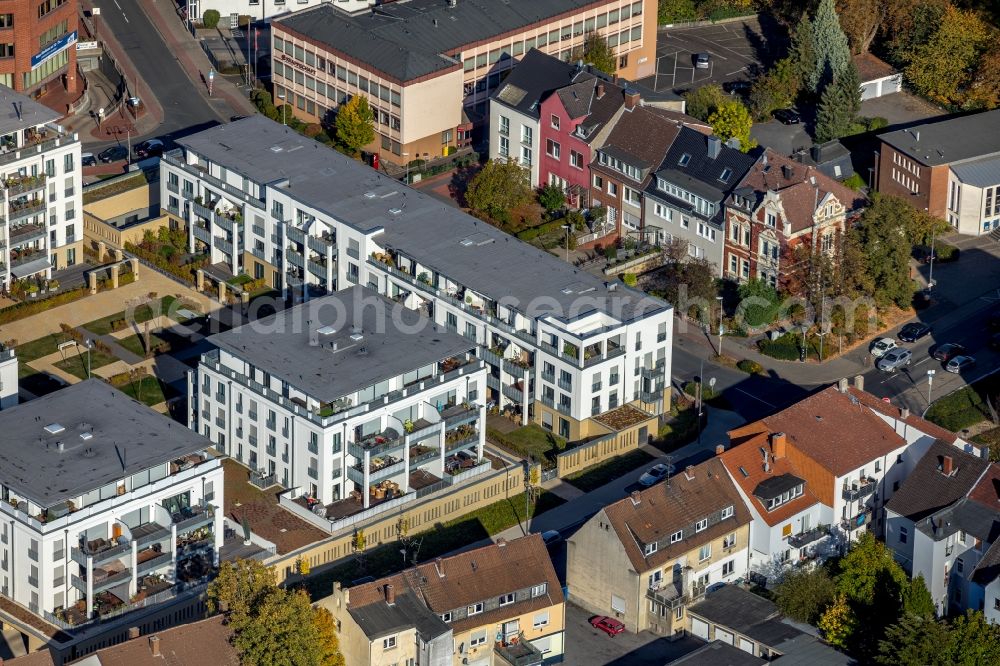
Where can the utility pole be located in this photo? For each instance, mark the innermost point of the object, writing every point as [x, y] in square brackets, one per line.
[721, 327]
[930, 276]
[930, 384]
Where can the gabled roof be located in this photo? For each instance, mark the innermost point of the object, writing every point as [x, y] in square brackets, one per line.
[871, 67]
[653, 514]
[988, 568]
[949, 140]
[457, 581]
[593, 101]
[891, 411]
[534, 77]
[927, 490]
[641, 138]
[964, 515]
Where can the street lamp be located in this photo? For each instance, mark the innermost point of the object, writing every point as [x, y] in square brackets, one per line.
[568, 228]
[721, 327]
[930, 276]
[89, 344]
[407, 155]
[802, 356]
[930, 383]
[281, 96]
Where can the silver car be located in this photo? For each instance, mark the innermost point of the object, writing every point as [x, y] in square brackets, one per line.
[894, 359]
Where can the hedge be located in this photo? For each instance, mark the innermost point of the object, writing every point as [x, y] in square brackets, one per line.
[945, 253]
[534, 232]
[750, 367]
[33, 307]
[785, 348]
[958, 410]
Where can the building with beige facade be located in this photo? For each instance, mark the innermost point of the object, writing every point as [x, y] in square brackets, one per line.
[496, 605]
[645, 558]
[428, 67]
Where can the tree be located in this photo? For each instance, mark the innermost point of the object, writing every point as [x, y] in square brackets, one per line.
[915, 641]
[941, 68]
[355, 124]
[630, 279]
[910, 24]
[732, 121]
[759, 302]
[839, 106]
[804, 595]
[498, 188]
[595, 50]
[801, 52]
[838, 623]
[984, 91]
[326, 635]
[917, 599]
[210, 19]
[860, 21]
[552, 198]
[239, 587]
[863, 565]
[281, 632]
[775, 90]
[974, 640]
[881, 236]
[830, 44]
[673, 11]
[702, 102]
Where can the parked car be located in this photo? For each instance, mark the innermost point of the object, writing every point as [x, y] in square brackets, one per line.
[551, 536]
[113, 154]
[787, 116]
[913, 331]
[608, 625]
[88, 159]
[881, 346]
[701, 60]
[960, 363]
[655, 474]
[894, 359]
[948, 351]
[151, 148]
[740, 87]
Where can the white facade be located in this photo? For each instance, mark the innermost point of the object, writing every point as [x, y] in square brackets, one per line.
[8, 378]
[514, 135]
[974, 207]
[112, 537]
[42, 201]
[264, 9]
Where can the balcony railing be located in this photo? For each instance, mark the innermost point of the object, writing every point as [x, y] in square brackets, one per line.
[667, 594]
[198, 516]
[858, 491]
[855, 522]
[154, 563]
[321, 244]
[295, 258]
[317, 268]
[519, 652]
[25, 233]
[813, 535]
[79, 555]
[24, 184]
[175, 158]
[101, 582]
[295, 234]
[21, 210]
[202, 234]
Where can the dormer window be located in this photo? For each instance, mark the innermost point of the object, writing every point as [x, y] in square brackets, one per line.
[649, 549]
[506, 599]
[475, 609]
[446, 617]
[727, 512]
[676, 536]
[701, 525]
[726, 174]
[683, 161]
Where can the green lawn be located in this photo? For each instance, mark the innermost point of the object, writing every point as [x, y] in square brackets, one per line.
[150, 391]
[438, 540]
[141, 314]
[75, 362]
[36, 349]
[595, 476]
[135, 343]
[239, 280]
[965, 407]
[530, 441]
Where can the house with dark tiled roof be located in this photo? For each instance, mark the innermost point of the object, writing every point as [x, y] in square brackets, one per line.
[780, 207]
[685, 199]
[944, 524]
[645, 558]
[499, 604]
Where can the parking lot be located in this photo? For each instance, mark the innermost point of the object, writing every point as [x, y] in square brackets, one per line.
[586, 646]
[734, 48]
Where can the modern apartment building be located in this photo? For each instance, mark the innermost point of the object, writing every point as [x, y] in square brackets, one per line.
[38, 46]
[645, 558]
[428, 67]
[107, 506]
[501, 605]
[8, 377]
[41, 228]
[351, 401]
[949, 167]
[562, 345]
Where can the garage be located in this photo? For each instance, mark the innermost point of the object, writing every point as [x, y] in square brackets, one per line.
[699, 628]
[878, 78]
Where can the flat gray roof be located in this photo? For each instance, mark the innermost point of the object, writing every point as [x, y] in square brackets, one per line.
[295, 344]
[106, 435]
[408, 40]
[467, 250]
[19, 111]
[947, 140]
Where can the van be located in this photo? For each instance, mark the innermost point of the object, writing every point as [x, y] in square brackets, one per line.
[88, 159]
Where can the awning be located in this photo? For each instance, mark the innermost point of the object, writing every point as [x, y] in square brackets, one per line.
[30, 268]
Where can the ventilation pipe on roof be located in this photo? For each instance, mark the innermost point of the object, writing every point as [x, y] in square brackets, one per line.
[635, 497]
[390, 594]
[859, 382]
[842, 385]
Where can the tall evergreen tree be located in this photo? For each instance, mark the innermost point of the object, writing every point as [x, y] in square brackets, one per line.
[833, 53]
[839, 106]
[801, 52]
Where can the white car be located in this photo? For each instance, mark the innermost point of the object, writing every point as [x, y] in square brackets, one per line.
[655, 474]
[881, 346]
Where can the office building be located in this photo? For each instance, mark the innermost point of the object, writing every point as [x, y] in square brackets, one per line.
[38, 47]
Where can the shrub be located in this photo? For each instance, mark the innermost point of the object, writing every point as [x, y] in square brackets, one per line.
[785, 348]
[750, 367]
[855, 182]
[875, 123]
[945, 252]
[630, 279]
[958, 410]
[210, 19]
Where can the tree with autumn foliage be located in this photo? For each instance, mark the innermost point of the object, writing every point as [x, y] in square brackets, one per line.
[861, 21]
[732, 121]
[595, 51]
[942, 68]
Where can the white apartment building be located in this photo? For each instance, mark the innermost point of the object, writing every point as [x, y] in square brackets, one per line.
[106, 505]
[260, 10]
[351, 401]
[41, 222]
[562, 345]
[8, 377]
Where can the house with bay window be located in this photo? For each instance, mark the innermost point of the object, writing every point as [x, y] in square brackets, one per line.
[684, 201]
[644, 559]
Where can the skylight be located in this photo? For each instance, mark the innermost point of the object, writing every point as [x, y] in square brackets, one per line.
[726, 174]
[685, 158]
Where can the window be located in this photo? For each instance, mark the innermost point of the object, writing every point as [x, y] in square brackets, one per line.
[526, 134]
[631, 196]
[729, 540]
[598, 182]
[771, 219]
[612, 189]
[68, 163]
[504, 147]
[552, 148]
[676, 536]
[726, 175]
[504, 126]
[477, 638]
[662, 211]
[389, 643]
[540, 620]
[903, 534]
[576, 159]
[728, 568]
[701, 525]
[554, 119]
[650, 549]
[705, 552]
[526, 156]
[476, 609]
[685, 158]
[506, 599]
[727, 512]
[538, 590]
[446, 617]
[959, 565]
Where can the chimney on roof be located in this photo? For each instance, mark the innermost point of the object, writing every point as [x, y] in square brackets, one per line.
[778, 445]
[859, 382]
[133, 633]
[635, 497]
[689, 472]
[154, 645]
[904, 413]
[600, 89]
[733, 143]
[787, 172]
[947, 465]
[390, 594]
[714, 147]
[720, 449]
[842, 385]
[631, 98]
[439, 567]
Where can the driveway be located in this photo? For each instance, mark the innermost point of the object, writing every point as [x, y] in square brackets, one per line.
[899, 108]
[586, 646]
[735, 49]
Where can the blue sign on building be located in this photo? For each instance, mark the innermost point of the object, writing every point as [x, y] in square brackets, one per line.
[52, 49]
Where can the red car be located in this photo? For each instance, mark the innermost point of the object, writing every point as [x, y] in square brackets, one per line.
[608, 625]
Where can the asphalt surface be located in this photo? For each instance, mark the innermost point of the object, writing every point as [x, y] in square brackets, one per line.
[184, 109]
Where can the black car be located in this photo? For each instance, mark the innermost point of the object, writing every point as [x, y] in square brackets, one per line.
[737, 87]
[913, 332]
[787, 116]
[113, 154]
[948, 351]
[151, 148]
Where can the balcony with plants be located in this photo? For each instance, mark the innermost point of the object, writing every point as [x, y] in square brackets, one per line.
[463, 436]
[22, 184]
[24, 208]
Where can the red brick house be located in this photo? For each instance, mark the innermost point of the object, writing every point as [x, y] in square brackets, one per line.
[779, 205]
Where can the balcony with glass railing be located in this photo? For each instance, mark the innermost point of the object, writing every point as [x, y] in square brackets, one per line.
[17, 185]
[21, 209]
[25, 233]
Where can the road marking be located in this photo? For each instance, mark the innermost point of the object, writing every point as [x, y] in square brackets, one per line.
[756, 398]
[736, 71]
[924, 360]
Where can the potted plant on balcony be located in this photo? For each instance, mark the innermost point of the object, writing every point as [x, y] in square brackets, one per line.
[424, 277]
[32, 290]
[408, 425]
